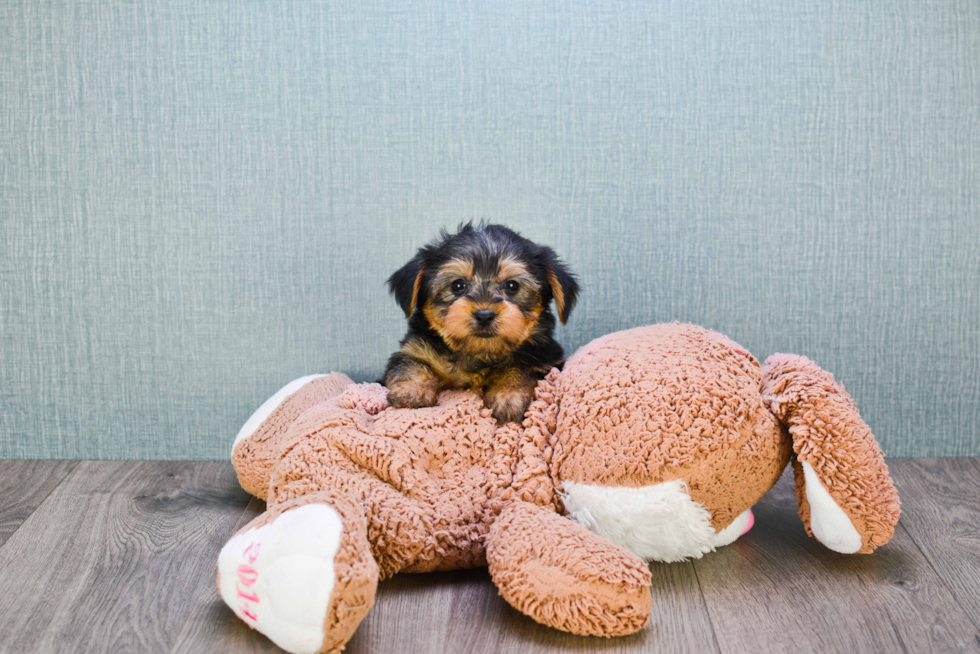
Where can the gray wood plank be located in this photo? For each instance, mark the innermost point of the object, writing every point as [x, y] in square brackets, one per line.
[113, 558]
[120, 557]
[941, 512]
[776, 590]
[481, 622]
[411, 613]
[23, 486]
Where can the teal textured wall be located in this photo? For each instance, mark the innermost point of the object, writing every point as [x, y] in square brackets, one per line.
[201, 201]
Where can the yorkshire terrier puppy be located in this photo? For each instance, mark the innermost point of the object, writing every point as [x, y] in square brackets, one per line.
[479, 316]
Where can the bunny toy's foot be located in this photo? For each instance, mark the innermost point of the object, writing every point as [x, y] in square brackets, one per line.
[302, 574]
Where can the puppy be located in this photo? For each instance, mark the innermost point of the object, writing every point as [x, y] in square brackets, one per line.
[478, 304]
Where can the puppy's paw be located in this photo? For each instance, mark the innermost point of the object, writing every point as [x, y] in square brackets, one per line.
[508, 404]
[413, 393]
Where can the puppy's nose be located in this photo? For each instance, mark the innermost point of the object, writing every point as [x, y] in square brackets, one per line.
[484, 317]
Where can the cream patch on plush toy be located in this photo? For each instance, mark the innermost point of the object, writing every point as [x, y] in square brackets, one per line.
[278, 578]
[657, 523]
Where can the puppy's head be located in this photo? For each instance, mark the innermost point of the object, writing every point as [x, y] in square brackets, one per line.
[486, 289]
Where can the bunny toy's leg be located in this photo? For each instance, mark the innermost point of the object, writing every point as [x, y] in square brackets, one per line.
[846, 496]
[564, 576]
[302, 573]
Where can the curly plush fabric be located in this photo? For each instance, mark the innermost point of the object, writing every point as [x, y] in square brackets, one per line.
[429, 479]
[828, 433]
[255, 454]
[660, 438]
[572, 580]
[654, 404]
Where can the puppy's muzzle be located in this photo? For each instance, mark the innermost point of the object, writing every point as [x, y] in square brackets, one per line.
[484, 317]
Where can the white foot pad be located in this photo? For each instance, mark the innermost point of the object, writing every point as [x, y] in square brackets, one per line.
[829, 523]
[278, 578]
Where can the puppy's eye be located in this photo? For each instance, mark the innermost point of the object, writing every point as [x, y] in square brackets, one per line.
[459, 286]
[511, 286]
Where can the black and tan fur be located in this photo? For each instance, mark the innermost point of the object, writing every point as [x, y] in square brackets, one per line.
[512, 281]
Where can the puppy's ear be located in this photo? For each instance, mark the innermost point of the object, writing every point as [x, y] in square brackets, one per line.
[564, 288]
[405, 283]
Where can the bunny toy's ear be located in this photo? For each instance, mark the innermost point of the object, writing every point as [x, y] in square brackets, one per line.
[847, 499]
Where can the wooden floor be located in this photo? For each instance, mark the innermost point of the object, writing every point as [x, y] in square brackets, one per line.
[120, 557]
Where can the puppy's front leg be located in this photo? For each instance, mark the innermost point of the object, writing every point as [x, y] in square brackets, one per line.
[411, 383]
[508, 393]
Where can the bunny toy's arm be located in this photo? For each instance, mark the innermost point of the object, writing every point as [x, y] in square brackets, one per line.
[564, 576]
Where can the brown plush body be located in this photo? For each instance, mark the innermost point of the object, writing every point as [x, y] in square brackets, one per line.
[668, 413]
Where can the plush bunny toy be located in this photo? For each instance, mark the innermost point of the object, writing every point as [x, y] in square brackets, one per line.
[651, 443]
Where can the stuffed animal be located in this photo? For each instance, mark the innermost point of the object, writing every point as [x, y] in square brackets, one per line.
[650, 444]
